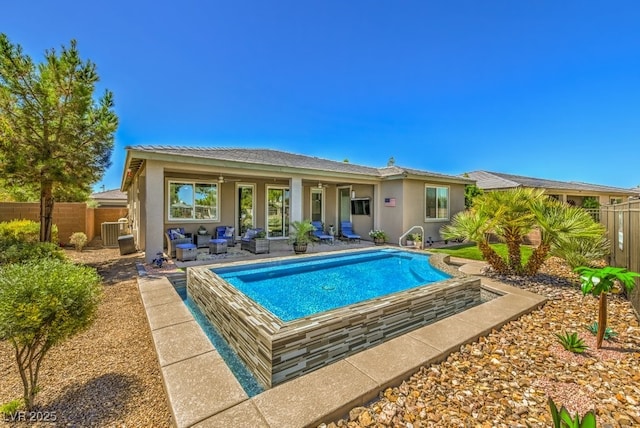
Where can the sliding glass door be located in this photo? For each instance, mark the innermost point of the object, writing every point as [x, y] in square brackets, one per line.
[278, 212]
[246, 203]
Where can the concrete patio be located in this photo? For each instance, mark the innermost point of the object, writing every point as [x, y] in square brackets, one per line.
[203, 392]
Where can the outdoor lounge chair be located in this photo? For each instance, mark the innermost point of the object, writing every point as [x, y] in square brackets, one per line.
[318, 232]
[346, 230]
[226, 233]
[245, 241]
[175, 236]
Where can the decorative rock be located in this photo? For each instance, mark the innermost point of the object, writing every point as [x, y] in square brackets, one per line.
[504, 379]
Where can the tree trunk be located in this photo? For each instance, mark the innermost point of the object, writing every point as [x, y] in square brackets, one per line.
[493, 258]
[537, 259]
[602, 319]
[46, 210]
[513, 249]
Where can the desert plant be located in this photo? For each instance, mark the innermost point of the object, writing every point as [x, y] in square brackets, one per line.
[571, 342]
[600, 282]
[301, 232]
[510, 216]
[378, 234]
[608, 332]
[42, 303]
[562, 418]
[583, 251]
[78, 240]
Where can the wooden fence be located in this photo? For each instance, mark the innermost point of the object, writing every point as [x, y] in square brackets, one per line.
[622, 222]
[69, 217]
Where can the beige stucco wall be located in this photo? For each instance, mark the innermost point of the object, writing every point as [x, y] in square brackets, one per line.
[391, 218]
[409, 210]
[151, 185]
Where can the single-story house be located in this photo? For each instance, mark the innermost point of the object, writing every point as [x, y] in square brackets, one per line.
[570, 192]
[174, 186]
[110, 198]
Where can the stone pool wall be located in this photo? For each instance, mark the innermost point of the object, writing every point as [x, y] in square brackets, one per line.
[277, 351]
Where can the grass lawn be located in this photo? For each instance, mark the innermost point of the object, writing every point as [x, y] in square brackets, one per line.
[471, 251]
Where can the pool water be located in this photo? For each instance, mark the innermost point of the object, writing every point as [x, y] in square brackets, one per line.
[244, 376]
[300, 288]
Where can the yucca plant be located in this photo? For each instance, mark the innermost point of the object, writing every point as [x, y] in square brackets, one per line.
[608, 332]
[571, 342]
[562, 418]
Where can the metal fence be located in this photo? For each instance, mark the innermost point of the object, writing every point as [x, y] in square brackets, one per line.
[622, 222]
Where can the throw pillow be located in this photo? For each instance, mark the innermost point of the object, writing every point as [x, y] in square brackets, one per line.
[228, 232]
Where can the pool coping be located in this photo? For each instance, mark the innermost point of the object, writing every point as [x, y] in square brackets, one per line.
[203, 392]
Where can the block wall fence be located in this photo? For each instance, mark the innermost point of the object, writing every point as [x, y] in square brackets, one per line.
[69, 217]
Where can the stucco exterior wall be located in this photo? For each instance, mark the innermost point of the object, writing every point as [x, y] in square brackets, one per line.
[391, 218]
[362, 224]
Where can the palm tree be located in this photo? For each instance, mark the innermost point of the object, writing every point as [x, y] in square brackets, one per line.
[473, 225]
[561, 226]
[510, 215]
[514, 219]
[600, 282]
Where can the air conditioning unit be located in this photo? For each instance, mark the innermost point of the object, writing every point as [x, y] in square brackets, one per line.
[109, 233]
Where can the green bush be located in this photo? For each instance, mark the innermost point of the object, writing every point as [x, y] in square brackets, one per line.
[583, 251]
[19, 252]
[42, 303]
[24, 231]
[78, 240]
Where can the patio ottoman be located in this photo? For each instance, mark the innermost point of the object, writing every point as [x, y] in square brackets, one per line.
[217, 246]
[186, 252]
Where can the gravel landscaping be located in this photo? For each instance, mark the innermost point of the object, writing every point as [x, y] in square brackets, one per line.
[109, 374]
[505, 379]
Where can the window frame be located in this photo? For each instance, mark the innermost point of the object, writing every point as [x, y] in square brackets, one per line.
[315, 190]
[424, 205]
[194, 184]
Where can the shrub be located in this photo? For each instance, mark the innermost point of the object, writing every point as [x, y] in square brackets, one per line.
[78, 240]
[608, 332]
[10, 408]
[18, 252]
[583, 251]
[571, 342]
[24, 231]
[42, 303]
[562, 418]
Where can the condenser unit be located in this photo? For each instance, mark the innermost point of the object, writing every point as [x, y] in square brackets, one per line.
[110, 231]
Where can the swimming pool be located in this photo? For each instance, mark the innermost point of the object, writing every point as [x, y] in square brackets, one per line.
[297, 288]
[276, 350]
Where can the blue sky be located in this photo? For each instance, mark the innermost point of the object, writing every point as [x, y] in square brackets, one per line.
[549, 89]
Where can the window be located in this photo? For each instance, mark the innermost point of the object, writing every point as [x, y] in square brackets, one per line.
[360, 207]
[193, 201]
[436, 203]
[316, 205]
[614, 201]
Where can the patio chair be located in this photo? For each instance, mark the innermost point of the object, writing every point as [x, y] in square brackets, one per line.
[245, 241]
[175, 236]
[227, 233]
[318, 232]
[346, 231]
